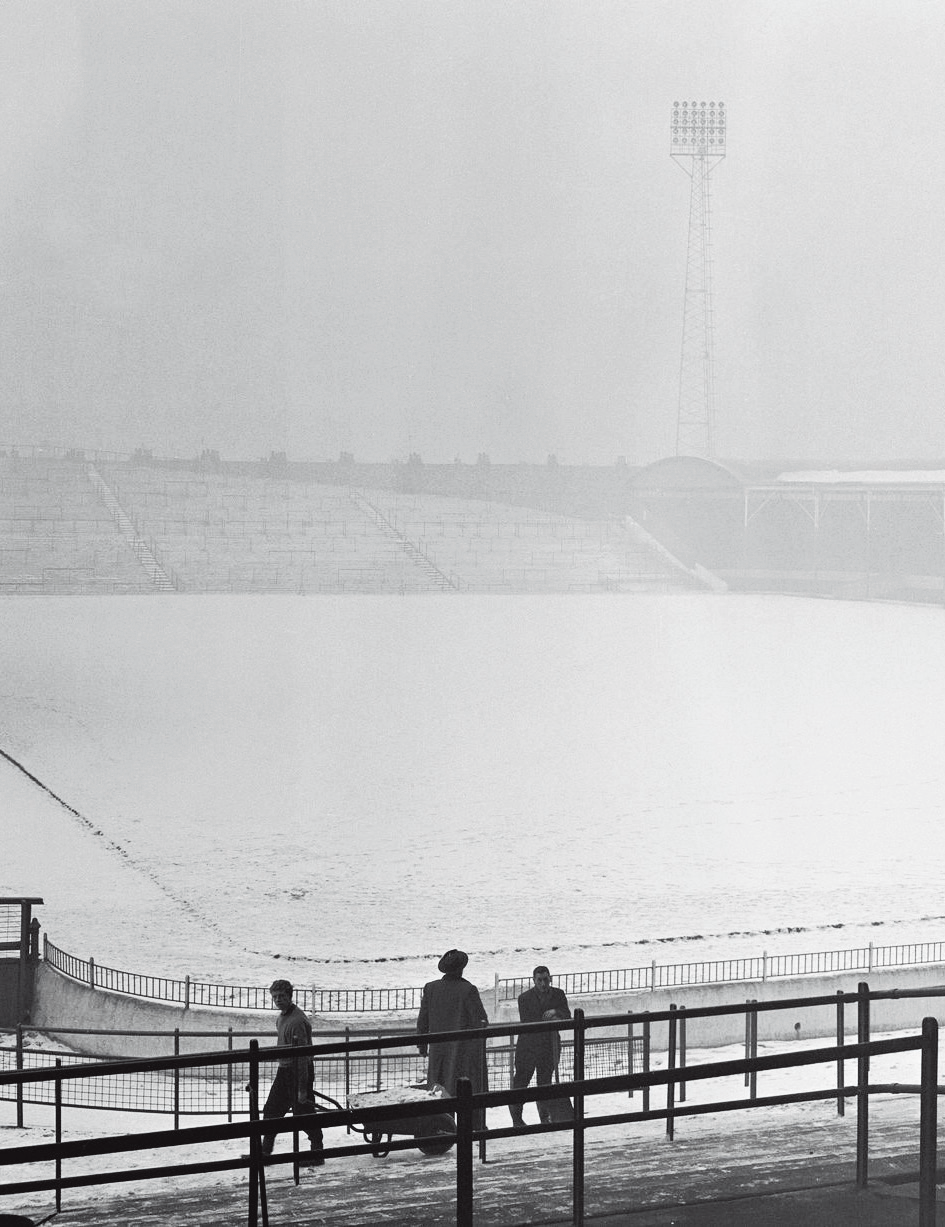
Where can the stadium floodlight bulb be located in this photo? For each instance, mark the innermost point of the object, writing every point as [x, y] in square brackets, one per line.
[697, 129]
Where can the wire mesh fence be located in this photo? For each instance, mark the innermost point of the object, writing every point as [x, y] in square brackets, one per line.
[219, 1089]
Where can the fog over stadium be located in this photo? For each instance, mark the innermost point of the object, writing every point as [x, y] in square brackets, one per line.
[450, 229]
[357, 232]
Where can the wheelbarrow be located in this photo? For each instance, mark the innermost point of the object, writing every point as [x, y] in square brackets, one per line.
[435, 1134]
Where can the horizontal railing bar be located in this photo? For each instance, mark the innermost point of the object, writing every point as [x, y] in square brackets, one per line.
[199, 993]
[275, 1053]
[588, 1088]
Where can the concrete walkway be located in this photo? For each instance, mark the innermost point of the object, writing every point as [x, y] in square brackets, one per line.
[777, 1166]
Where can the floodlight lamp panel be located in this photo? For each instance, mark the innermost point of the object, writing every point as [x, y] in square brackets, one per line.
[697, 128]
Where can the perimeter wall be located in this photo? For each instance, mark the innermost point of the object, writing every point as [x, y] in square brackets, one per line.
[63, 1003]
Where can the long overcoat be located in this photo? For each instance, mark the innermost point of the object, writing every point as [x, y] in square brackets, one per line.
[453, 1004]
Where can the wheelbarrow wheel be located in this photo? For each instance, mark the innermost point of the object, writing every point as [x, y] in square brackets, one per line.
[436, 1144]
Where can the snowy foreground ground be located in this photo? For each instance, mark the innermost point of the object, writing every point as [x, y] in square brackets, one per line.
[337, 789]
[716, 1134]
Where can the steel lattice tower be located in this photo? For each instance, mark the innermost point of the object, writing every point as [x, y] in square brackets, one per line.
[697, 145]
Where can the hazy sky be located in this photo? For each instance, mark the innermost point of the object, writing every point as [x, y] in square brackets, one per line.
[454, 227]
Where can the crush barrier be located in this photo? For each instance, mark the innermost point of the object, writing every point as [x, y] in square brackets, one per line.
[468, 1107]
[653, 976]
[216, 1089]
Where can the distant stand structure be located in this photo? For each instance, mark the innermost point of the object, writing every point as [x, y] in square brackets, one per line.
[697, 145]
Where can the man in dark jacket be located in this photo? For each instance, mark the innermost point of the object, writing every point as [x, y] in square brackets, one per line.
[293, 1086]
[538, 1055]
[453, 1004]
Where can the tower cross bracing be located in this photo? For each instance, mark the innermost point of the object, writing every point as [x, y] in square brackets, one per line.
[697, 144]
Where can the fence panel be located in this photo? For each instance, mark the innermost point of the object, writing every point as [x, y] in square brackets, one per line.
[585, 983]
[217, 1089]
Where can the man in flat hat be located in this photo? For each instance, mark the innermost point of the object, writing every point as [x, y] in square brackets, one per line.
[453, 1004]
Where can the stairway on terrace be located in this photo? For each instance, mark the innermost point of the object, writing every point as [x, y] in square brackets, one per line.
[494, 547]
[56, 534]
[230, 533]
[226, 533]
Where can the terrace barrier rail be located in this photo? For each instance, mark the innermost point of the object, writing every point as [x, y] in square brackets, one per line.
[190, 992]
[212, 1092]
[470, 1109]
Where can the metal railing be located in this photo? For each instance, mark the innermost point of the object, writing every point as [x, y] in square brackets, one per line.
[469, 1108]
[758, 968]
[201, 1091]
[648, 978]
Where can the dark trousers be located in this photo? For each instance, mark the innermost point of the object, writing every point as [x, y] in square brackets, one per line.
[529, 1062]
[282, 1098]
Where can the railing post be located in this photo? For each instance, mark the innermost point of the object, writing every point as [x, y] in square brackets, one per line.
[682, 1053]
[91, 972]
[841, 1036]
[577, 1135]
[862, 1087]
[646, 1058]
[187, 992]
[177, 1079]
[347, 1070]
[19, 1066]
[58, 1122]
[630, 1049]
[653, 976]
[869, 959]
[464, 1154]
[764, 966]
[928, 1126]
[753, 1030]
[229, 1077]
[257, 1171]
[670, 1067]
[747, 1041]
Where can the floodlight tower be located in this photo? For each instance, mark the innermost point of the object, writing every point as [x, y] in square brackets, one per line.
[697, 145]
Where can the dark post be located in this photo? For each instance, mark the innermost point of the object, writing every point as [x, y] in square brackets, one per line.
[229, 1077]
[19, 1085]
[682, 1053]
[257, 1173]
[753, 1032]
[58, 1138]
[630, 1049]
[464, 1154]
[177, 1079]
[841, 1035]
[577, 1136]
[747, 1042]
[862, 1086]
[928, 1127]
[347, 1069]
[646, 1058]
[483, 1082]
[670, 1067]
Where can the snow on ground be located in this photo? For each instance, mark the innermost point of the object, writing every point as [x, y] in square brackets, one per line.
[343, 787]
